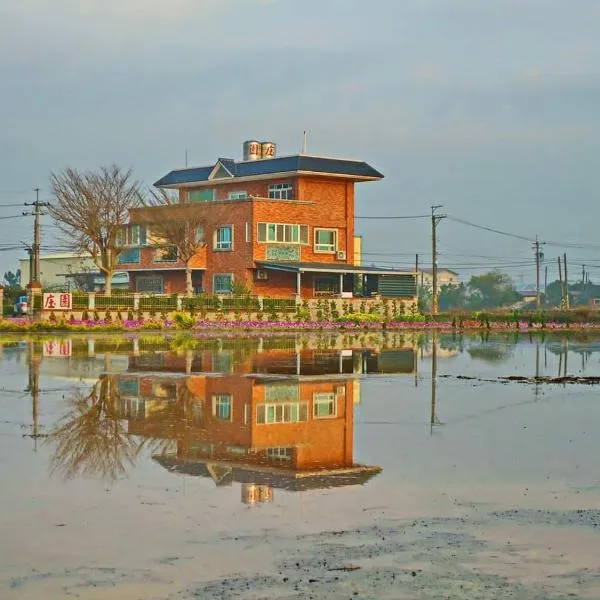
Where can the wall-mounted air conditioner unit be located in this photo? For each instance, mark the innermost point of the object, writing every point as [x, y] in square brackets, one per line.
[262, 274]
[341, 255]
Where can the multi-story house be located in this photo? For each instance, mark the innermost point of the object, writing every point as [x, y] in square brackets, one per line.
[281, 226]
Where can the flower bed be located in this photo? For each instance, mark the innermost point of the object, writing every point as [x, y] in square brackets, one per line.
[187, 322]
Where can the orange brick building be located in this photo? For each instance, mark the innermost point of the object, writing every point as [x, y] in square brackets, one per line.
[287, 432]
[281, 226]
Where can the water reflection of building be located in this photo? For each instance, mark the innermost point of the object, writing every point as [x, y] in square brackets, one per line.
[279, 419]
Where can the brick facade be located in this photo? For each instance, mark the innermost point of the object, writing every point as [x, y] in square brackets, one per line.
[318, 202]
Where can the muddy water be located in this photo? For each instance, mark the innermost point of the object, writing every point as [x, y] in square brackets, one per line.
[372, 466]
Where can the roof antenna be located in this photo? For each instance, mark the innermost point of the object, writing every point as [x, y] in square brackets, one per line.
[303, 151]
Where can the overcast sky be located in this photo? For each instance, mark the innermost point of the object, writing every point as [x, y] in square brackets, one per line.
[489, 107]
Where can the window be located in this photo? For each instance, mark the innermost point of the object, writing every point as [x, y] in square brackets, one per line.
[165, 254]
[280, 453]
[281, 191]
[199, 235]
[152, 285]
[237, 195]
[224, 238]
[129, 256]
[324, 405]
[222, 283]
[128, 387]
[281, 412]
[222, 407]
[325, 240]
[134, 235]
[327, 286]
[121, 239]
[204, 195]
[282, 233]
[248, 232]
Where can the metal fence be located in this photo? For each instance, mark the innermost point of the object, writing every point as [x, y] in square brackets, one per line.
[128, 301]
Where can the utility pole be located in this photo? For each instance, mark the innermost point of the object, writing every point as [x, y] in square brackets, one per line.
[435, 219]
[538, 258]
[417, 277]
[37, 213]
[546, 285]
[560, 281]
[566, 282]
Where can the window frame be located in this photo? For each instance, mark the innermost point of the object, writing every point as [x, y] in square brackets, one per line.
[200, 190]
[321, 398]
[280, 191]
[336, 284]
[239, 195]
[216, 398]
[218, 246]
[318, 247]
[165, 247]
[297, 228]
[231, 280]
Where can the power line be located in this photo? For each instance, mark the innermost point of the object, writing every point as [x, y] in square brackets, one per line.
[491, 229]
[396, 217]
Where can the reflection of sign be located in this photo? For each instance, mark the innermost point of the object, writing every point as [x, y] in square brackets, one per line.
[58, 301]
[283, 252]
[252, 493]
[57, 348]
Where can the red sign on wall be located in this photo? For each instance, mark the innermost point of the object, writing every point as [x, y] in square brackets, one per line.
[57, 301]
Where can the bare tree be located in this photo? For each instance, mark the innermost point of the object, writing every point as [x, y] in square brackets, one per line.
[176, 227]
[89, 209]
[90, 439]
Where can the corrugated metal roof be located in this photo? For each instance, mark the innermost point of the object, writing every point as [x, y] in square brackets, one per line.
[284, 164]
[299, 267]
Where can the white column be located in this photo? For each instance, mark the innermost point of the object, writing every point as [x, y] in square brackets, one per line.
[298, 284]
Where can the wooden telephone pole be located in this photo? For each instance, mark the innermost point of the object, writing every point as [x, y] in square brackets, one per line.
[538, 259]
[435, 219]
[35, 275]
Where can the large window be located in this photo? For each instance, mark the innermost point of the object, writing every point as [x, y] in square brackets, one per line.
[222, 283]
[132, 235]
[324, 405]
[222, 407]
[281, 191]
[224, 238]
[325, 240]
[280, 453]
[165, 254]
[237, 195]
[282, 233]
[153, 285]
[204, 195]
[327, 285]
[281, 412]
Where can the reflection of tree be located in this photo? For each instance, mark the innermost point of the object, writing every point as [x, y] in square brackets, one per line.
[90, 439]
[491, 353]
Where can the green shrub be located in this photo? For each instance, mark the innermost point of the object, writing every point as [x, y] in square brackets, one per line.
[183, 321]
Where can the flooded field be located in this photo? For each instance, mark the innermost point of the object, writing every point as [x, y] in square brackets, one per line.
[311, 466]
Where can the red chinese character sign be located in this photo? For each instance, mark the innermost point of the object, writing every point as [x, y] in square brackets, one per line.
[57, 301]
[57, 348]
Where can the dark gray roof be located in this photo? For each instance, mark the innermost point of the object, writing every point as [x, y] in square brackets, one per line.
[284, 164]
[279, 478]
[295, 267]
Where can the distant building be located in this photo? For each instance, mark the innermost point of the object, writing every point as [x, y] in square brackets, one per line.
[444, 277]
[70, 271]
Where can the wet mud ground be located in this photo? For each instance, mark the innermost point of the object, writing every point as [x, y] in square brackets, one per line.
[489, 489]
